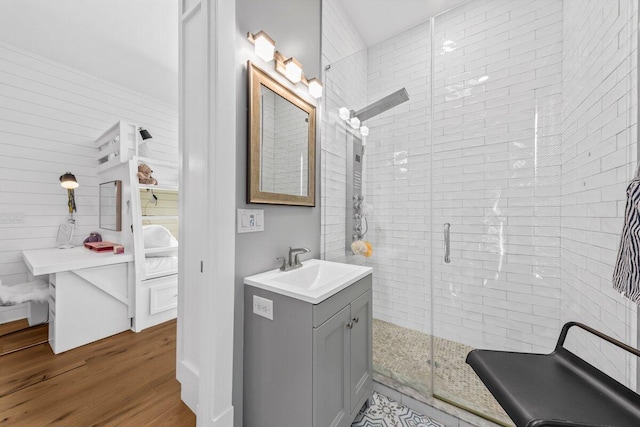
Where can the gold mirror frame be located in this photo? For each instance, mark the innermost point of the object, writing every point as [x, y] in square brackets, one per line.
[258, 78]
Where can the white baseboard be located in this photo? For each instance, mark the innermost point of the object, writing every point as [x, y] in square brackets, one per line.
[224, 420]
[188, 375]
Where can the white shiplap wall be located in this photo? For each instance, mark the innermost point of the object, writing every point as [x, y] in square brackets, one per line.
[50, 116]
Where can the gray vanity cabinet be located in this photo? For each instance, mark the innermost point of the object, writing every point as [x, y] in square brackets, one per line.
[311, 365]
[361, 369]
[342, 364]
[331, 351]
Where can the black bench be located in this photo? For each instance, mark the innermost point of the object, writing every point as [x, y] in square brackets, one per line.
[557, 389]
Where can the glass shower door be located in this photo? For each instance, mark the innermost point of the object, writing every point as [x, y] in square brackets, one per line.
[532, 151]
[496, 183]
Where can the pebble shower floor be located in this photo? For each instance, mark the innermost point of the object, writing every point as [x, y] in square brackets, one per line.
[401, 360]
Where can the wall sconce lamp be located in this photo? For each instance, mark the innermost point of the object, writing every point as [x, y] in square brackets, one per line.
[143, 147]
[144, 134]
[68, 181]
[291, 68]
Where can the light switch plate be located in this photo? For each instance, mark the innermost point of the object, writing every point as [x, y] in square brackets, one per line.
[263, 307]
[250, 220]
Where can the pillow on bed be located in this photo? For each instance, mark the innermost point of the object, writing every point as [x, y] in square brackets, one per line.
[158, 236]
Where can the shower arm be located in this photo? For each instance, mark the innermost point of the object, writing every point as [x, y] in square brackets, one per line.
[381, 105]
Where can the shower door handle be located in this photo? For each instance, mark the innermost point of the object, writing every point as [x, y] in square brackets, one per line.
[447, 243]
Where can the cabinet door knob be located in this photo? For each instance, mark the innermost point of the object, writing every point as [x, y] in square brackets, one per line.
[349, 325]
[356, 319]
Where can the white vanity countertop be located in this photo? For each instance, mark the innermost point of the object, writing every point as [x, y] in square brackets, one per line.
[46, 261]
[314, 282]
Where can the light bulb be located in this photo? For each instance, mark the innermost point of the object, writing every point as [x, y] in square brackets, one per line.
[293, 70]
[264, 46]
[344, 113]
[315, 88]
[364, 131]
[354, 122]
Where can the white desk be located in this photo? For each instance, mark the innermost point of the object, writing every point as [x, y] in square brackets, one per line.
[90, 294]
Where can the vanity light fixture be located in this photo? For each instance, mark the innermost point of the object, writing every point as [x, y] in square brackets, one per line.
[68, 181]
[354, 122]
[291, 68]
[349, 117]
[344, 113]
[315, 88]
[264, 45]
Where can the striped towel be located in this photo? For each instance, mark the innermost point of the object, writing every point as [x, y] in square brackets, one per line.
[626, 274]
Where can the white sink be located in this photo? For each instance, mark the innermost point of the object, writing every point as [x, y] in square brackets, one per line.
[314, 282]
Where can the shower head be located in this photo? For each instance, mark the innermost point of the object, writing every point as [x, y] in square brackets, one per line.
[382, 105]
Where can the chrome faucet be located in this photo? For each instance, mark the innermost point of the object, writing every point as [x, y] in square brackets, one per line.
[294, 260]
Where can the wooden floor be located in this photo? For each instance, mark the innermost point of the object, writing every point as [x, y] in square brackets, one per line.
[124, 380]
[21, 336]
[10, 327]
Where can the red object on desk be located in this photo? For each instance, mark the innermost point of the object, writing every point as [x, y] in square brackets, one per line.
[100, 246]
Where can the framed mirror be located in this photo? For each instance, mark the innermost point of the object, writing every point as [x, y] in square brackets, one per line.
[282, 143]
[111, 205]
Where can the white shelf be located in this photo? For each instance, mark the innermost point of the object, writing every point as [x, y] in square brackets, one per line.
[159, 187]
[108, 135]
[116, 145]
[157, 162]
[159, 217]
[157, 250]
[161, 274]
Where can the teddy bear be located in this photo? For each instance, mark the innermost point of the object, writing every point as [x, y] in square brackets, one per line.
[144, 175]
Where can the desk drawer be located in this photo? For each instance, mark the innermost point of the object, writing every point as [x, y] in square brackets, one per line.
[163, 297]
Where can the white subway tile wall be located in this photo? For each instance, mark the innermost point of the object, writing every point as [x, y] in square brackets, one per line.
[51, 115]
[345, 85]
[599, 127]
[496, 174]
[397, 178]
[534, 140]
